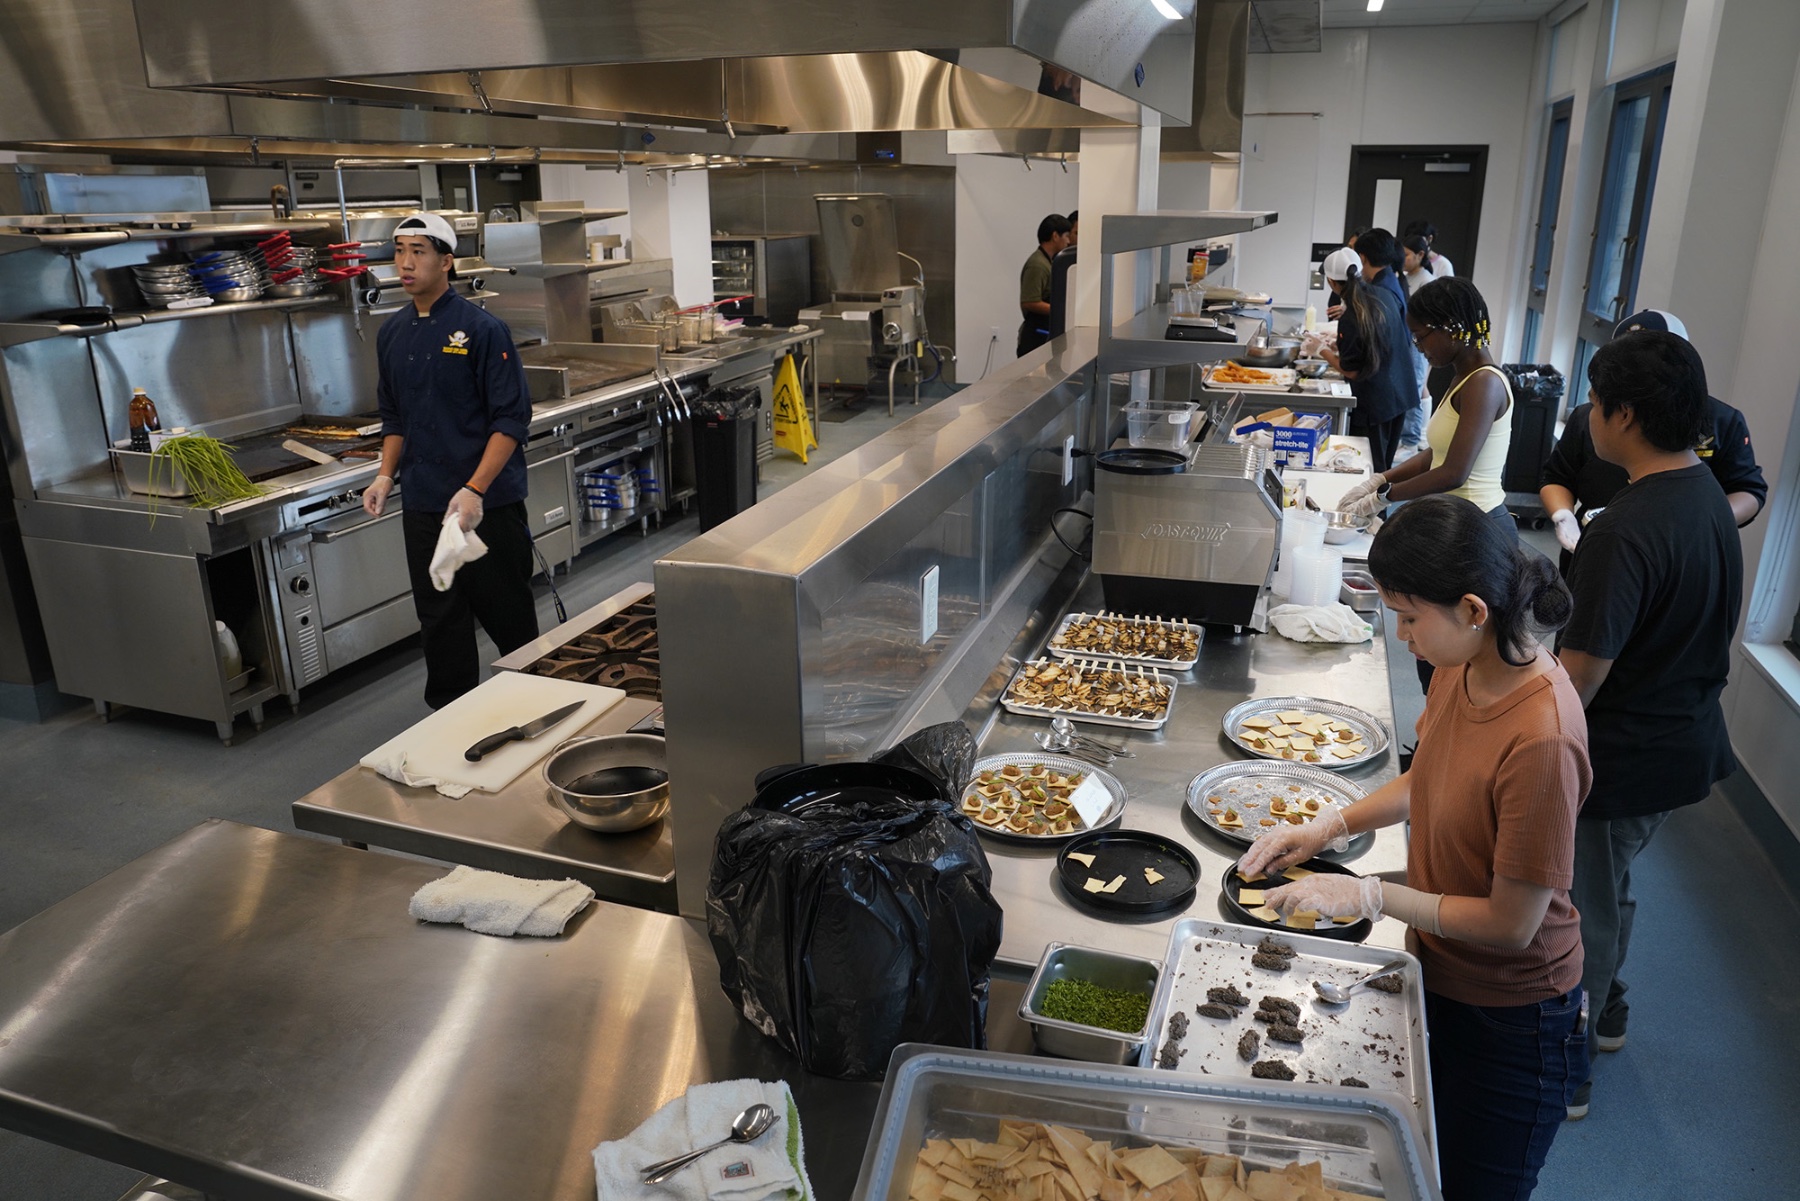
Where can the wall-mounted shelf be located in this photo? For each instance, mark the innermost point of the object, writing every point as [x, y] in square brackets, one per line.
[78, 237]
[17, 333]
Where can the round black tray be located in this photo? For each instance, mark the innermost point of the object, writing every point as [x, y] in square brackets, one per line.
[1228, 901]
[1128, 853]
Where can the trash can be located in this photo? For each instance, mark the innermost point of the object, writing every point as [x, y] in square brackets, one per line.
[1537, 391]
[725, 453]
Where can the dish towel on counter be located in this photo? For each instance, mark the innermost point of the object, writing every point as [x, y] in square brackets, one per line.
[395, 769]
[492, 903]
[455, 546]
[774, 1166]
[1320, 623]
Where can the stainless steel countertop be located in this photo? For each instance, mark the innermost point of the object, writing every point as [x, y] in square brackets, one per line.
[254, 1014]
[516, 830]
[1231, 670]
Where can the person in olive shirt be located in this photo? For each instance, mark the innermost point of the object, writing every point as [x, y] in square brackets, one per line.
[1657, 581]
[454, 413]
[1034, 283]
[1578, 483]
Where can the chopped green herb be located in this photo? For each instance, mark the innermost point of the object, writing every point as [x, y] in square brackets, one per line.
[1088, 1004]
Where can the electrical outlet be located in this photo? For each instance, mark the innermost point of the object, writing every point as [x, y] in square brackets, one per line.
[928, 605]
[993, 333]
[1068, 457]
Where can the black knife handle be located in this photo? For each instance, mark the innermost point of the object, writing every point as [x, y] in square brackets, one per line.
[492, 743]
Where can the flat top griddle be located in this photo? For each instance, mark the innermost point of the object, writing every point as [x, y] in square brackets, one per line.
[585, 374]
[262, 457]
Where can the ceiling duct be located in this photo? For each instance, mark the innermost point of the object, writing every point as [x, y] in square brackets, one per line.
[1287, 26]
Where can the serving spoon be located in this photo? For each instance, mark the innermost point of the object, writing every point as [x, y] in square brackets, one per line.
[746, 1127]
[1331, 994]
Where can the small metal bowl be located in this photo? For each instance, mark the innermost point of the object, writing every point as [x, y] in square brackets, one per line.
[1342, 527]
[1266, 351]
[613, 813]
[1108, 969]
[1311, 368]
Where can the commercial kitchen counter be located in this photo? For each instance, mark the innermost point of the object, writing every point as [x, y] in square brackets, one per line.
[255, 1015]
[1231, 670]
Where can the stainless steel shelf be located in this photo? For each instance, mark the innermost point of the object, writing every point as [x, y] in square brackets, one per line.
[1121, 233]
[1139, 345]
[17, 333]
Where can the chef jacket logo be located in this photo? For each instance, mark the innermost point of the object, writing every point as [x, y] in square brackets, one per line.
[459, 343]
[1186, 531]
[1705, 449]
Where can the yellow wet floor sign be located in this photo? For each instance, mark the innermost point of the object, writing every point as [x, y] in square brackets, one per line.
[793, 428]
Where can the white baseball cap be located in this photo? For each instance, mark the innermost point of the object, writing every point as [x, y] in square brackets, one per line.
[1341, 263]
[1654, 319]
[428, 225]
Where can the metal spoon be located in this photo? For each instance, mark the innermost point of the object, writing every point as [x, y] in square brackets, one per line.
[1331, 994]
[1065, 730]
[746, 1127]
[1050, 742]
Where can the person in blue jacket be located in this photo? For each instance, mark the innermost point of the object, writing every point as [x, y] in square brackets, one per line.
[454, 414]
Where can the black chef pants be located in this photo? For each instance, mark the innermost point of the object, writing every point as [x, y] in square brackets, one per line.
[1033, 333]
[494, 590]
[1383, 436]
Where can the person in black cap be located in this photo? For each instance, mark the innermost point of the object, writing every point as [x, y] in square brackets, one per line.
[1578, 483]
[1034, 282]
[454, 413]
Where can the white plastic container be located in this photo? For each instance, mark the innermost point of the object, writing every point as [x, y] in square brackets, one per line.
[1318, 575]
[1165, 423]
[1299, 528]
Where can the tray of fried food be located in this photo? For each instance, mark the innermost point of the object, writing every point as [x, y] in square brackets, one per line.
[1150, 641]
[1107, 693]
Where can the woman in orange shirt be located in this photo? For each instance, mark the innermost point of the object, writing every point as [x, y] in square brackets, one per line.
[1492, 794]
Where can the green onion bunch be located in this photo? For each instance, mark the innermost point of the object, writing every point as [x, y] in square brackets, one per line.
[212, 476]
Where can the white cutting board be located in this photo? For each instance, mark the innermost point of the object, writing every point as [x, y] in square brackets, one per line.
[434, 747]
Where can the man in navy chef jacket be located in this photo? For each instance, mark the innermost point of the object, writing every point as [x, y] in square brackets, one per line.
[454, 412]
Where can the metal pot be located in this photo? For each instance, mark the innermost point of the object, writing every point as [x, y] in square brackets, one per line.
[797, 789]
[569, 773]
[1266, 351]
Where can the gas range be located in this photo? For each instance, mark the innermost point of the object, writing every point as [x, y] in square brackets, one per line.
[613, 644]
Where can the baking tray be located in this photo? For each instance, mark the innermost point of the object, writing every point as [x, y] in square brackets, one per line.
[1128, 853]
[1067, 766]
[1230, 885]
[1367, 1143]
[1253, 785]
[1284, 379]
[1076, 714]
[1378, 1037]
[1374, 733]
[1141, 660]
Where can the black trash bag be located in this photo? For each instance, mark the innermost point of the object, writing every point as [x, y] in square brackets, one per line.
[845, 930]
[946, 753]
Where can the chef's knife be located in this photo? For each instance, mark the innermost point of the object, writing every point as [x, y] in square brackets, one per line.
[530, 729]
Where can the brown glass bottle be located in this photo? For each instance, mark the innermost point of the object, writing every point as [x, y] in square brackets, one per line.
[142, 418]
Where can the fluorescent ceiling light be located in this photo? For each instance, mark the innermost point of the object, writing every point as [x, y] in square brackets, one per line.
[1375, 5]
[1167, 9]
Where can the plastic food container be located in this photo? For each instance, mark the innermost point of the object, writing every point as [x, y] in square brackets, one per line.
[1073, 1040]
[1167, 423]
[1365, 1141]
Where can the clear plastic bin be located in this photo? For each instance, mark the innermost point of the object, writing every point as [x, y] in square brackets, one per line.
[1365, 1141]
[1165, 423]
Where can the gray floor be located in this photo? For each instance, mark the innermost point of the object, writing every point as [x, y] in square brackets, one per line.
[1700, 1104]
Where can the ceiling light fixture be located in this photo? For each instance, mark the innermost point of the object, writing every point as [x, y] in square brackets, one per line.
[1166, 9]
[1375, 5]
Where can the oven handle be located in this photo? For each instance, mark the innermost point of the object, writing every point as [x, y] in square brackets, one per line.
[359, 527]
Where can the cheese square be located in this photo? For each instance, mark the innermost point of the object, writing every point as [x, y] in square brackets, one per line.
[1116, 883]
[1281, 730]
[1258, 723]
[1292, 717]
[1153, 876]
[1082, 858]
[1094, 884]
[1303, 921]
[1296, 873]
[1266, 914]
[1346, 921]
[1346, 752]
[1250, 898]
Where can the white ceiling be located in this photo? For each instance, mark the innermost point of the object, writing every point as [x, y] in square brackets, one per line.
[1354, 14]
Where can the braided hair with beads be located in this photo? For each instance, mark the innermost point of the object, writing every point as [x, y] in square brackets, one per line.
[1453, 305]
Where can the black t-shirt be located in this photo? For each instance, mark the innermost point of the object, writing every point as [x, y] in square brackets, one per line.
[1657, 580]
[1725, 448]
[1391, 389]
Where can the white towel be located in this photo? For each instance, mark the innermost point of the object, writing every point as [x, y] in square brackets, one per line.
[772, 1166]
[395, 769]
[493, 903]
[1335, 622]
[455, 546]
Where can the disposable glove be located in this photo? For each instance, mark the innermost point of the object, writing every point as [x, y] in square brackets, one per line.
[1329, 895]
[1285, 846]
[374, 497]
[1568, 530]
[465, 506]
[1372, 484]
[1367, 505]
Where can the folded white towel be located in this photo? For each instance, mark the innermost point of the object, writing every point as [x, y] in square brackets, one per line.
[1335, 622]
[493, 903]
[772, 1166]
[395, 769]
[455, 546]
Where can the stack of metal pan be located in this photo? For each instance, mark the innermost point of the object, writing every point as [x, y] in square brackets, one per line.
[293, 271]
[162, 284]
[230, 275]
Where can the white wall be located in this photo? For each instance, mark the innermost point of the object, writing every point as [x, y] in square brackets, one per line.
[998, 206]
[1421, 85]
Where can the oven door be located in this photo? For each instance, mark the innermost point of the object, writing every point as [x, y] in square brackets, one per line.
[358, 562]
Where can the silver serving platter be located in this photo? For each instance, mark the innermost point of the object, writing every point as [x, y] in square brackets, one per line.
[1374, 734]
[1241, 783]
[1078, 714]
[1378, 1037]
[1056, 641]
[1057, 763]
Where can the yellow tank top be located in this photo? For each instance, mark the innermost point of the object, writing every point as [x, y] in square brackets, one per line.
[1483, 486]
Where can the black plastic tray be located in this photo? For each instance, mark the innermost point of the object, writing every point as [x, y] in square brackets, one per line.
[1128, 853]
[1228, 901]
